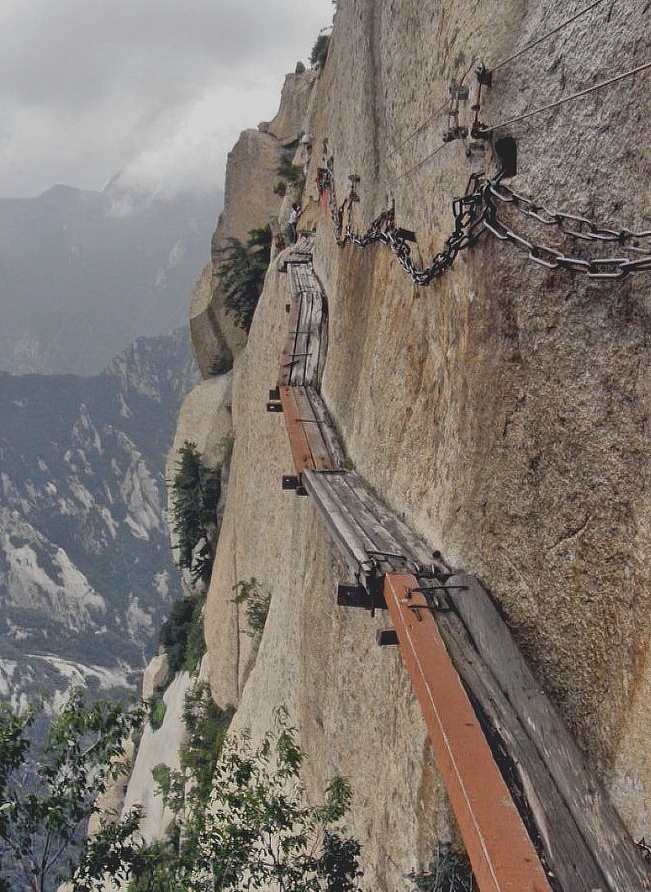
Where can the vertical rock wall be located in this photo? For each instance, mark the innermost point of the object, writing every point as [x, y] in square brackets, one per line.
[503, 410]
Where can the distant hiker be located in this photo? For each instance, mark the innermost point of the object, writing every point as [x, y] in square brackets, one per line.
[293, 219]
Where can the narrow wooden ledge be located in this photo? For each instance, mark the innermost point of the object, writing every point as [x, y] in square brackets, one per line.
[501, 852]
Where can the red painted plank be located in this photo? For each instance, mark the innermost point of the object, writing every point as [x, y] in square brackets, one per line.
[502, 855]
[301, 452]
[321, 457]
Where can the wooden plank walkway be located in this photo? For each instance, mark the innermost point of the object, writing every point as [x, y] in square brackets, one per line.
[583, 840]
[350, 511]
[565, 818]
[583, 834]
[302, 356]
[308, 445]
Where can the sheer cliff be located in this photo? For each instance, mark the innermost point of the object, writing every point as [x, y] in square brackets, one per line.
[501, 410]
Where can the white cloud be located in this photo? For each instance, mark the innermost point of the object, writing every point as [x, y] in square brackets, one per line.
[158, 87]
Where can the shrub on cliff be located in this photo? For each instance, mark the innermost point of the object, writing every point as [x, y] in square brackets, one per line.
[256, 601]
[256, 831]
[196, 489]
[450, 871]
[319, 52]
[242, 273]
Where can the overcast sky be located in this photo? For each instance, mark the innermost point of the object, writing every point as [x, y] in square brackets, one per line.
[157, 89]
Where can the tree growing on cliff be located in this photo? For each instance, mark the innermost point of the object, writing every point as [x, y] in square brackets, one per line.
[319, 52]
[48, 791]
[242, 273]
[196, 489]
[251, 829]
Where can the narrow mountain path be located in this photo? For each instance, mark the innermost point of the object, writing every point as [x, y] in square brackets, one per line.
[531, 816]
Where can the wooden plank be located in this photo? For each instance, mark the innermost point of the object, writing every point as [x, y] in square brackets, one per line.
[567, 854]
[346, 534]
[409, 542]
[374, 530]
[298, 442]
[321, 457]
[327, 428]
[502, 855]
[599, 823]
[314, 340]
[289, 347]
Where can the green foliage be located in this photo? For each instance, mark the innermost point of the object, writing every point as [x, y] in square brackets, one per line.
[448, 872]
[181, 635]
[242, 273]
[256, 832]
[48, 792]
[319, 52]
[257, 604]
[195, 496]
[291, 173]
[207, 725]
[157, 710]
[161, 775]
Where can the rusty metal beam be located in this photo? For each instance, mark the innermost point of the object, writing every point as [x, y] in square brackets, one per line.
[502, 855]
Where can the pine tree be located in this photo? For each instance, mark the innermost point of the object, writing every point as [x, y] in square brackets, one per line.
[195, 496]
[242, 273]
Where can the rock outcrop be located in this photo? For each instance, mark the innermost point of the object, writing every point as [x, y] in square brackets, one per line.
[249, 203]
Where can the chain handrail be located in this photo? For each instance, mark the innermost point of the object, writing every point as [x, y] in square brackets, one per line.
[468, 228]
[475, 213]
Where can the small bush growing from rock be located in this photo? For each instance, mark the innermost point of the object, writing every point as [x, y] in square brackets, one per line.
[448, 872]
[256, 603]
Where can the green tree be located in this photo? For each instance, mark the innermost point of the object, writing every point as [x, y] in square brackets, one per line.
[48, 790]
[256, 831]
[319, 52]
[195, 496]
[181, 635]
[242, 273]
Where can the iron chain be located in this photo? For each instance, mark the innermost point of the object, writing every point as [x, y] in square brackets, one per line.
[476, 212]
[468, 215]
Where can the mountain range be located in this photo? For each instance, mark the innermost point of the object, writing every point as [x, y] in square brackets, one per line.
[86, 571]
[84, 273]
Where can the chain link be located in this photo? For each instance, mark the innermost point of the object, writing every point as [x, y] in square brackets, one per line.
[577, 227]
[476, 212]
[468, 228]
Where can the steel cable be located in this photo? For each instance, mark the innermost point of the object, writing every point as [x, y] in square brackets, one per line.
[565, 99]
[549, 34]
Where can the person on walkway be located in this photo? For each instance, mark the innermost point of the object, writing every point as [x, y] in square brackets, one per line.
[293, 220]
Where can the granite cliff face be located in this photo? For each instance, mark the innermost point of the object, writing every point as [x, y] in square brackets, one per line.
[502, 410]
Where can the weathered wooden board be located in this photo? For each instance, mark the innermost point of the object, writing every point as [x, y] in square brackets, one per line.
[321, 457]
[502, 855]
[349, 538]
[327, 428]
[303, 364]
[289, 348]
[600, 825]
[410, 543]
[343, 494]
[298, 441]
[567, 854]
